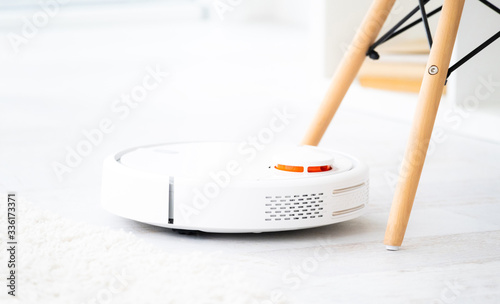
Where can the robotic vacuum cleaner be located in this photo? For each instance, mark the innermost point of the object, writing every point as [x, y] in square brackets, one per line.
[227, 187]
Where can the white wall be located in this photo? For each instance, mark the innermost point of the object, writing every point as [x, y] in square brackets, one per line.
[478, 24]
[334, 24]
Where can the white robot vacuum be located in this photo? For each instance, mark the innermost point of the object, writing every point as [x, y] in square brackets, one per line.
[221, 187]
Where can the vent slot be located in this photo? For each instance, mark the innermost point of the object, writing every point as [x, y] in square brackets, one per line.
[297, 207]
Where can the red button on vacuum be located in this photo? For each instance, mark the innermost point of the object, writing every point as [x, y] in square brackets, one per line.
[319, 169]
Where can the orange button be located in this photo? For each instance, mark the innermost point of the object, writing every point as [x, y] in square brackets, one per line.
[289, 168]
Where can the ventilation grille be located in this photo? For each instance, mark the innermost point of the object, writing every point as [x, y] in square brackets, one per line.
[294, 207]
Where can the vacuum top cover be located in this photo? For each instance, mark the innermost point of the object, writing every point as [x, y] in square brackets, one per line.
[195, 160]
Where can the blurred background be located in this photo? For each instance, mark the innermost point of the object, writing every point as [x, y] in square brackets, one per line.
[220, 69]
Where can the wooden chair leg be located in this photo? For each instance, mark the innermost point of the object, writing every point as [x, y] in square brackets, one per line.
[423, 122]
[348, 69]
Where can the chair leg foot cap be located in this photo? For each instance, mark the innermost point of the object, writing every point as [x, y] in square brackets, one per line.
[392, 248]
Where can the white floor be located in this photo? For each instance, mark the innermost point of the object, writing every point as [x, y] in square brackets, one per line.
[223, 84]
